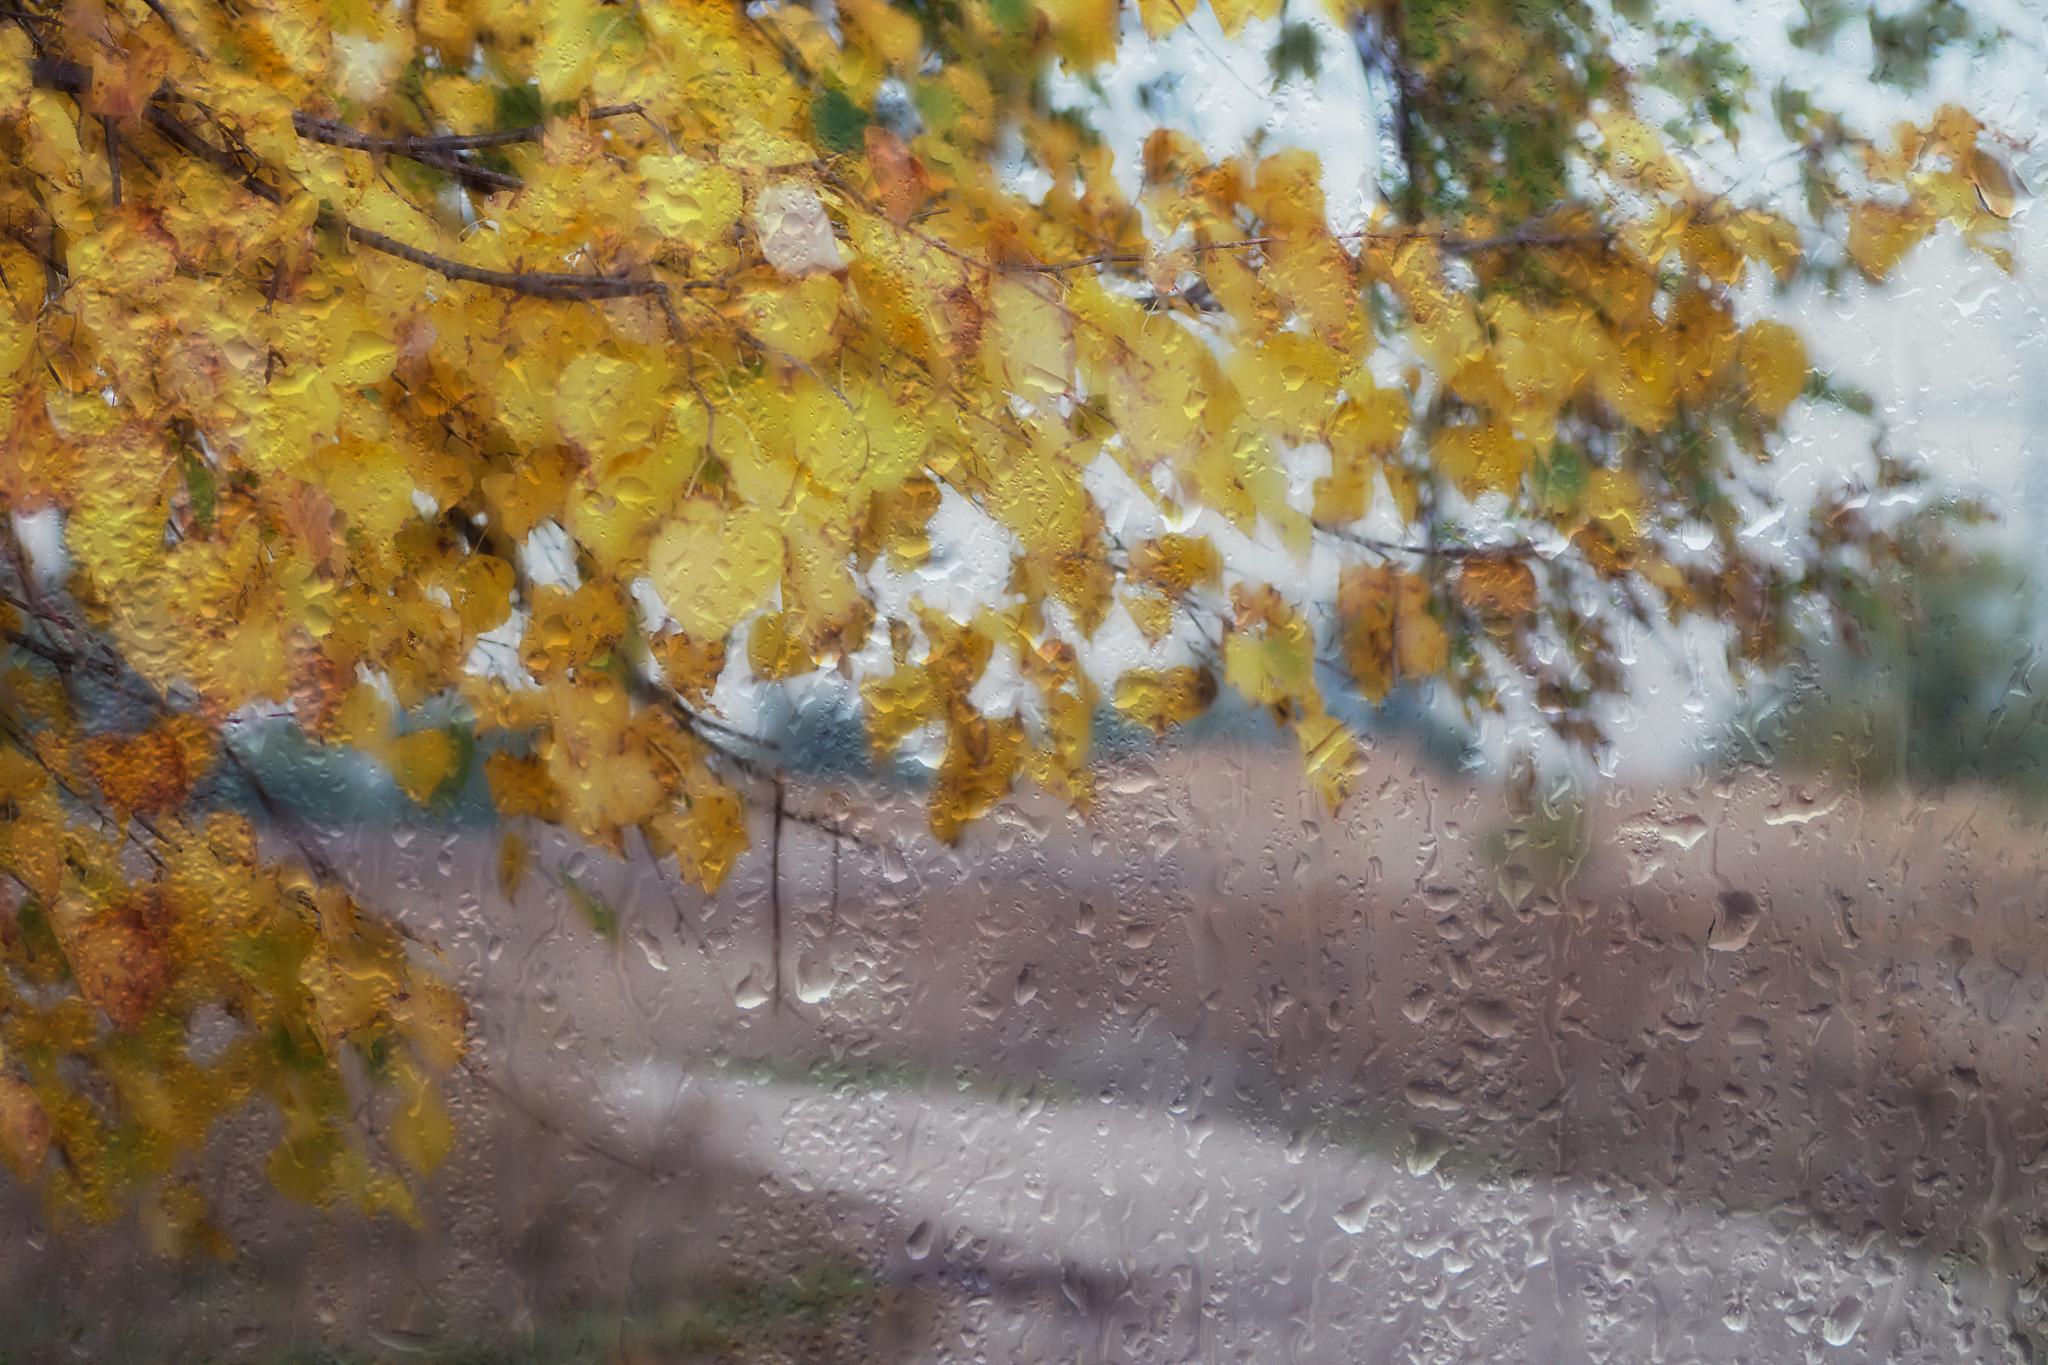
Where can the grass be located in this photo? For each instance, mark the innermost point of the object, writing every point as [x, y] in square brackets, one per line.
[727, 1319]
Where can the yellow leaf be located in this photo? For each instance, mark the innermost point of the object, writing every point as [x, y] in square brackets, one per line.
[1272, 665]
[1774, 361]
[774, 651]
[421, 1131]
[894, 35]
[609, 404]
[514, 857]
[520, 786]
[713, 566]
[689, 665]
[600, 757]
[614, 506]
[1160, 699]
[24, 1128]
[14, 72]
[1880, 236]
[152, 772]
[1387, 629]
[1085, 29]
[1162, 17]
[1027, 345]
[1638, 154]
[433, 1018]
[421, 762]
[1177, 564]
[698, 201]
[706, 835]
[572, 36]
[980, 762]
[1289, 383]
[1363, 433]
[570, 629]
[1330, 756]
[1151, 610]
[796, 319]
[350, 990]
[1482, 458]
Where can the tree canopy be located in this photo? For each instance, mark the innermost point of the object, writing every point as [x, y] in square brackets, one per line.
[487, 383]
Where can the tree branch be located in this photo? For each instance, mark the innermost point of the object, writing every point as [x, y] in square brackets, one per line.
[557, 285]
[1520, 549]
[25, 742]
[441, 151]
[533, 284]
[439, 144]
[113, 137]
[469, 173]
[775, 901]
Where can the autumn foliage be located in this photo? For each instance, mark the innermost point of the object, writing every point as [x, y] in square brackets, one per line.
[322, 319]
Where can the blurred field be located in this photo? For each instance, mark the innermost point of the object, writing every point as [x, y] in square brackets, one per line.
[1735, 1071]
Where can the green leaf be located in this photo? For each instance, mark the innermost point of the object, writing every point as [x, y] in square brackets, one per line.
[1013, 15]
[518, 105]
[1297, 52]
[840, 122]
[591, 906]
[1558, 479]
[201, 488]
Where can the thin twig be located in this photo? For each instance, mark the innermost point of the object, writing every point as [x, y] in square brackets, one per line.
[288, 825]
[775, 903]
[442, 144]
[70, 77]
[469, 173]
[582, 1141]
[157, 8]
[1515, 550]
[22, 741]
[532, 284]
[74, 78]
[558, 285]
[113, 137]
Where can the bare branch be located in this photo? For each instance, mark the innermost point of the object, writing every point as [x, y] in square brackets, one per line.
[416, 149]
[558, 285]
[443, 144]
[581, 1141]
[163, 13]
[23, 741]
[1520, 549]
[113, 136]
[533, 284]
[775, 900]
[442, 152]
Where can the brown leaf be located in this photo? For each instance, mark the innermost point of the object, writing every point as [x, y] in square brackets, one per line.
[1502, 590]
[153, 771]
[24, 1127]
[900, 179]
[118, 964]
[1995, 184]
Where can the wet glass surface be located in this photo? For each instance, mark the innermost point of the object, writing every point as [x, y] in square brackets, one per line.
[1033, 909]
